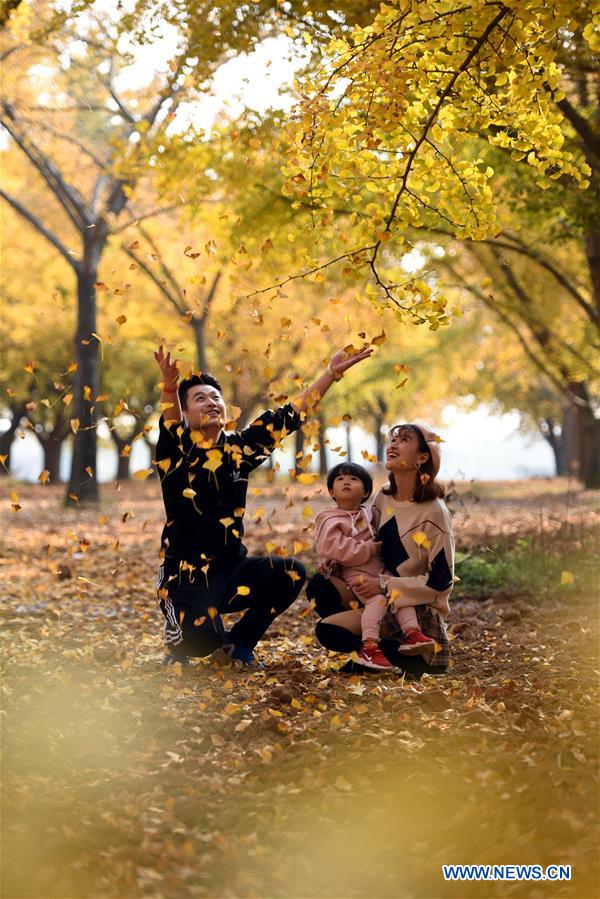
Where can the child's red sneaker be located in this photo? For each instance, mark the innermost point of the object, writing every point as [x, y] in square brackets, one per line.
[370, 656]
[415, 643]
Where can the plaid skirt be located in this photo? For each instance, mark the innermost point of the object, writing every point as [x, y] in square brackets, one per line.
[431, 624]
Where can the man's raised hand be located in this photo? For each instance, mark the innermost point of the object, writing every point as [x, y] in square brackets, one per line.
[169, 370]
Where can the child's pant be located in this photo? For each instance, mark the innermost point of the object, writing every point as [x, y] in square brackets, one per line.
[375, 609]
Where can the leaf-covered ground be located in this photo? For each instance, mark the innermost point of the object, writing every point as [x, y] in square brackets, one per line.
[126, 780]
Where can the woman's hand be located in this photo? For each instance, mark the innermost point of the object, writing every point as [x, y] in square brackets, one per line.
[342, 360]
[365, 586]
[169, 370]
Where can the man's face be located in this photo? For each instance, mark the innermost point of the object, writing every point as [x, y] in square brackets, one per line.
[204, 407]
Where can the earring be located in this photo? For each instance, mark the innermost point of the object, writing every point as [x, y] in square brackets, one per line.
[417, 465]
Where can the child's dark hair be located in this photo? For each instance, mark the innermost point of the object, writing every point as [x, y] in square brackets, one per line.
[203, 378]
[351, 468]
[427, 487]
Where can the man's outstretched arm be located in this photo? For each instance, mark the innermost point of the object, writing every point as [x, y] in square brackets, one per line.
[338, 364]
[169, 398]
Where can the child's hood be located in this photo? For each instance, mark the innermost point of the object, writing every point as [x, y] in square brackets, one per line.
[347, 519]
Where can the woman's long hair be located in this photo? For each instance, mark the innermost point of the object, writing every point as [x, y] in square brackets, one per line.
[427, 487]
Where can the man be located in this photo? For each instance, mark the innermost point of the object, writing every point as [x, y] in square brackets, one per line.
[206, 571]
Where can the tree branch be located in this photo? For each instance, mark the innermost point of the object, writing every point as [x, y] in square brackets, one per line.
[147, 215]
[515, 245]
[69, 198]
[165, 269]
[505, 318]
[155, 279]
[37, 224]
[591, 140]
[431, 119]
[60, 135]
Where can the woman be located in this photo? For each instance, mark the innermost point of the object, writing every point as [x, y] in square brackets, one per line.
[415, 529]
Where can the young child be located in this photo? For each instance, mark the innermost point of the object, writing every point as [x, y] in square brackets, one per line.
[346, 535]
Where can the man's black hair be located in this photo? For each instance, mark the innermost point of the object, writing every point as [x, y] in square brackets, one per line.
[197, 380]
[351, 468]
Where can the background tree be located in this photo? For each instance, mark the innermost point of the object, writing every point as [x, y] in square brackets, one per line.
[85, 148]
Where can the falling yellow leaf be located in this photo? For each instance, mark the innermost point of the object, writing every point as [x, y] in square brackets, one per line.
[29, 367]
[142, 474]
[74, 425]
[307, 477]
[379, 339]
[214, 460]
[566, 578]
[121, 319]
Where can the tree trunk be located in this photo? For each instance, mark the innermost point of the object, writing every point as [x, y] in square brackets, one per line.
[122, 468]
[122, 461]
[589, 448]
[299, 448]
[348, 442]
[52, 446]
[7, 437]
[152, 448]
[559, 444]
[379, 441]
[592, 252]
[81, 485]
[199, 337]
[322, 446]
[585, 442]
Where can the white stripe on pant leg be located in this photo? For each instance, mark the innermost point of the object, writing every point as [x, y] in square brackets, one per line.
[173, 634]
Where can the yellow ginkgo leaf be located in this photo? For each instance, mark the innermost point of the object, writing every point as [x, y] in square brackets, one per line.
[307, 477]
[214, 460]
[189, 493]
[566, 578]
[243, 591]
[142, 474]
[421, 539]
[379, 339]
[74, 425]
[44, 476]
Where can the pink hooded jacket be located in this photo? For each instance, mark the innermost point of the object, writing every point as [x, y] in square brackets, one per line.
[348, 537]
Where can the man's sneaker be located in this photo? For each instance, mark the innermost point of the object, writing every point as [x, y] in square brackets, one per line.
[370, 656]
[415, 643]
[172, 657]
[231, 652]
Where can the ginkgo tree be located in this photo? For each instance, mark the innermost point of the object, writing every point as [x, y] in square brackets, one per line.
[395, 121]
[84, 148]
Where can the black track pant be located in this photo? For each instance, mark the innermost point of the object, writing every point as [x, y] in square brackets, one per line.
[337, 638]
[264, 586]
